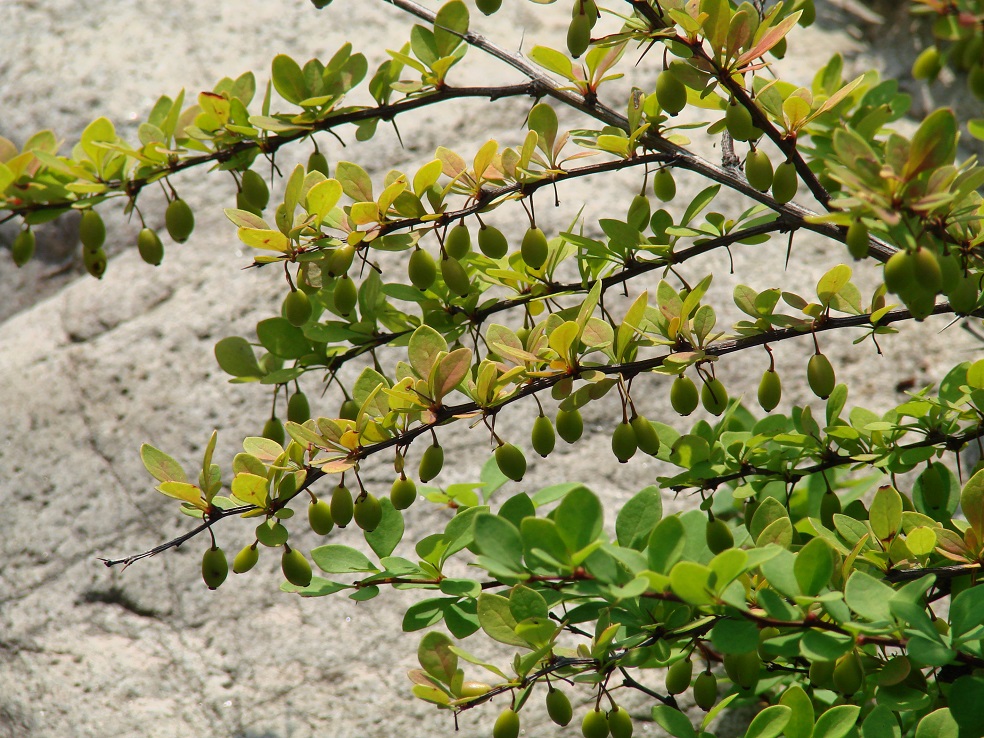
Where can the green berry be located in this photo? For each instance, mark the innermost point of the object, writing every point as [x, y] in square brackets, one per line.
[664, 186]
[368, 512]
[569, 424]
[848, 674]
[320, 518]
[318, 162]
[785, 182]
[857, 240]
[488, 6]
[671, 93]
[349, 410]
[927, 271]
[579, 35]
[455, 276]
[403, 493]
[624, 443]
[718, 536]
[820, 375]
[684, 396]
[23, 247]
[341, 506]
[928, 64]
[506, 725]
[714, 396]
[431, 462]
[297, 308]
[95, 262]
[594, 724]
[274, 430]
[830, 505]
[511, 461]
[769, 390]
[215, 568]
[543, 437]
[179, 220]
[295, 567]
[758, 170]
[254, 189]
[340, 260]
[900, 272]
[149, 246]
[559, 707]
[738, 120]
[647, 439]
[457, 243]
[492, 243]
[534, 248]
[678, 676]
[705, 690]
[246, 559]
[345, 295]
[298, 408]
[421, 269]
[620, 723]
[92, 230]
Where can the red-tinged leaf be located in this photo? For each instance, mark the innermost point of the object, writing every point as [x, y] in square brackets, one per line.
[263, 448]
[355, 181]
[449, 372]
[972, 503]
[263, 239]
[251, 489]
[771, 38]
[452, 164]
[246, 219]
[337, 465]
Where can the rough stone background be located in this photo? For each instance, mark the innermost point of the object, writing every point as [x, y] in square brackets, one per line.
[90, 370]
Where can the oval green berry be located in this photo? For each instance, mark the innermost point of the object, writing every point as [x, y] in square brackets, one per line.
[95, 262]
[431, 462]
[705, 690]
[785, 182]
[403, 493]
[298, 408]
[345, 295]
[534, 248]
[179, 220]
[488, 6]
[624, 443]
[848, 673]
[22, 248]
[92, 230]
[511, 461]
[274, 430]
[899, 273]
[758, 170]
[506, 725]
[492, 243]
[341, 259]
[455, 276]
[421, 269]
[830, 505]
[671, 93]
[542, 436]
[664, 186]
[579, 35]
[569, 424]
[457, 243]
[559, 707]
[927, 270]
[738, 120]
[820, 375]
[620, 723]
[857, 240]
[678, 676]
[318, 162]
[341, 505]
[594, 724]
[215, 568]
[718, 536]
[368, 512]
[647, 439]
[149, 247]
[297, 308]
[295, 567]
[246, 559]
[684, 396]
[255, 189]
[714, 397]
[320, 518]
[769, 390]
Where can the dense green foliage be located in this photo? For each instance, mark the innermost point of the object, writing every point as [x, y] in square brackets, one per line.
[809, 580]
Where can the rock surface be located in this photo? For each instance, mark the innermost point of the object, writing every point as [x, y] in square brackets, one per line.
[93, 369]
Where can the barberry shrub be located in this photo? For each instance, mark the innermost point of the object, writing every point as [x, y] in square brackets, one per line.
[826, 572]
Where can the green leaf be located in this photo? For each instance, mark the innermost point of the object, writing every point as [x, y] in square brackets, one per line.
[666, 544]
[236, 357]
[800, 723]
[288, 79]
[934, 143]
[691, 583]
[251, 489]
[389, 532]
[972, 503]
[837, 722]
[425, 613]
[967, 612]
[423, 349]
[673, 722]
[450, 24]
[282, 339]
[769, 723]
[735, 636]
[814, 566]
[338, 559]
[885, 514]
[938, 724]
[881, 723]
[579, 518]
[868, 597]
[461, 587]
[638, 517]
[527, 603]
[162, 467]
[498, 539]
[553, 61]
[497, 621]
[966, 705]
[435, 655]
